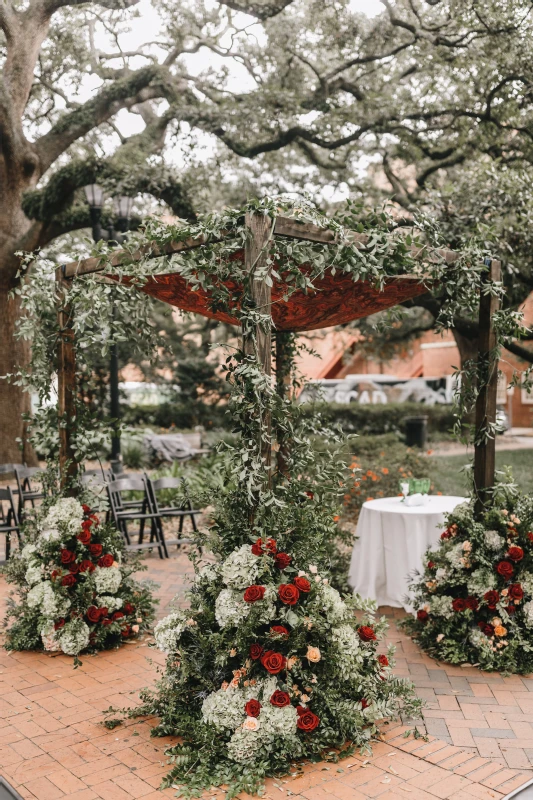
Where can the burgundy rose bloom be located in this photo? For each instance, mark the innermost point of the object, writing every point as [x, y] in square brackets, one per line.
[68, 580]
[288, 594]
[491, 598]
[67, 557]
[383, 660]
[86, 508]
[422, 615]
[459, 604]
[511, 609]
[87, 524]
[280, 699]
[126, 632]
[310, 495]
[256, 651]
[486, 627]
[281, 630]
[446, 534]
[472, 603]
[73, 568]
[505, 569]
[128, 608]
[118, 615]
[54, 574]
[431, 565]
[94, 613]
[95, 550]
[364, 703]
[103, 613]
[366, 633]
[87, 565]
[254, 593]
[302, 584]
[59, 624]
[84, 537]
[515, 553]
[282, 560]
[252, 708]
[530, 536]
[516, 592]
[106, 561]
[307, 721]
[258, 549]
[107, 622]
[273, 662]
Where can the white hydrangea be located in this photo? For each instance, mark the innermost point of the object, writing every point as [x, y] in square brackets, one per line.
[493, 540]
[525, 579]
[49, 638]
[168, 631]
[34, 574]
[241, 568]
[230, 608]
[209, 573]
[34, 597]
[528, 613]
[51, 604]
[479, 640]
[74, 637]
[442, 574]
[107, 579]
[28, 551]
[347, 644]
[51, 535]
[456, 556]
[441, 606]
[481, 580]
[333, 604]
[224, 709]
[66, 514]
[244, 745]
[109, 602]
[274, 724]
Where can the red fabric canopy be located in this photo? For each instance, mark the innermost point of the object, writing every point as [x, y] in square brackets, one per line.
[335, 300]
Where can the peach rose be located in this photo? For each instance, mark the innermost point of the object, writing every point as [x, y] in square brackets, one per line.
[291, 662]
[499, 630]
[251, 724]
[313, 654]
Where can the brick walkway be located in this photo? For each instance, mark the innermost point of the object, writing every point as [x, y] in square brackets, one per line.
[53, 745]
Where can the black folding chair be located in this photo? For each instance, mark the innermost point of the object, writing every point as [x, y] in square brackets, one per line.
[122, 514]
[97, 476]
[26, 492]
[9, 521]
[182, 510]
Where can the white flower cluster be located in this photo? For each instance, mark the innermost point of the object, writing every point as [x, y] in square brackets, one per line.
[49, 637]
[333, 604]
[441, 606]
[168, 631]
[481, 580]
[28, 551]
[74, 637]
[273, 724]
[493, 540]
[50, 604]
[107, 579]
[479, 640]
[224, 709]
[241, 568]
[34, 574]
[528, 613]
[525, 579]
[109, 602]
[66, 515]
[209, 573]
[231, 609]
[456, 556]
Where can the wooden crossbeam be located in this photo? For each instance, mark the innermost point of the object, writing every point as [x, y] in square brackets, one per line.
[284, 226]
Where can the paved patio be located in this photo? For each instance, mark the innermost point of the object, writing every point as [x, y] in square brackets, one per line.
[53, 744]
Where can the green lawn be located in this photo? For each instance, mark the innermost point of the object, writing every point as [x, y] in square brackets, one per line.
[448, 478]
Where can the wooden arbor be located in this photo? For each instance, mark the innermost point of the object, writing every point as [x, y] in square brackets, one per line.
[336, 300]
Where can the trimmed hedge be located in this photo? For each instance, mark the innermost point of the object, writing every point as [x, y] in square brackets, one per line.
[177, 415]
[374, 420]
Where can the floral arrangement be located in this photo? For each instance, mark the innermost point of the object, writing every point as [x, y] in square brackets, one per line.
[76, 591]
[474, 602]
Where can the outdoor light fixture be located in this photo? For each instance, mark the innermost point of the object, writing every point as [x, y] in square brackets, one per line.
[95, 195]
[7, 792]
[123, 205]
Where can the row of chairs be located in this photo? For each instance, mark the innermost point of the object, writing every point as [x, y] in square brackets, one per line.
[25, 491]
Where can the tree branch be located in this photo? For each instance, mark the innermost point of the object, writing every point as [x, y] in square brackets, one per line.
[262, 9]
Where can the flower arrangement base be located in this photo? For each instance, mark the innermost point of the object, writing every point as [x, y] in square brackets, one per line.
[474, 601]
[76, 590]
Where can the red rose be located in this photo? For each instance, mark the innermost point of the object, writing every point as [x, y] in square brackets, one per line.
[93, 614]
[87, 524]
[256, 651]
[86, 508]
[422, 616]
[74, 568]
[487, 629]
[302, 584]
[107, 622]
[252, 708]
[258, 549]
[54, 574]
[67, 557]
[95, 550]
[84, 537]
[103, 613]
[273, 662]
[254, 593]
[87, 565]
[307, 721]
[459, 604]
[280, 630]
[515, 553]
[505, 569]
[282, 560]
[515, 591]
[288, 594]
[118, 615]
[59, 624]
[431, 565]
[511, 609]
[310, 495]
[106, 561]
[472, 603]
[280, 699]
[446, 534]
[128, 608]
[366, 633]
[491, 598]
[68, 580]
[530, 536]
[364, 703]
[383, 660]
[126, 632]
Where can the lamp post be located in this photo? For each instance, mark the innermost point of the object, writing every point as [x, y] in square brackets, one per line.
[117, 233]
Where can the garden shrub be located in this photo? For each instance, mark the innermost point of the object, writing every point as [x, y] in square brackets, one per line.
[372, 420]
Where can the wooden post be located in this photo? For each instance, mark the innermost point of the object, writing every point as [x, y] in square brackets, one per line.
[283, 377]
[66, 387]
[258, 342]
[485, 451]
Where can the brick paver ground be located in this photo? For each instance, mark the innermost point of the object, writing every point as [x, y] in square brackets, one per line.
[53, 745]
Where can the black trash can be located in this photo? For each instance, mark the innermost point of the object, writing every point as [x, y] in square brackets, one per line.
[416, 431]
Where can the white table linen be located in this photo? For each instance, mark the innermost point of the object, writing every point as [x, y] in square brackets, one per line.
[392, 541]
